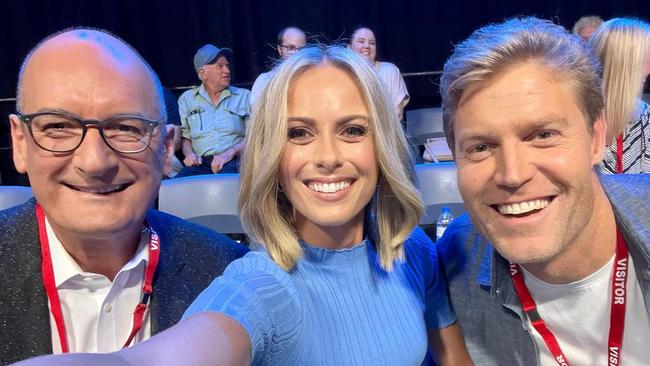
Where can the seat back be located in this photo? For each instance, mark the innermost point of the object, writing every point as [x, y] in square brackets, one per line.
[11, 196]
[208, 200]
[424, 123]
[438, 187]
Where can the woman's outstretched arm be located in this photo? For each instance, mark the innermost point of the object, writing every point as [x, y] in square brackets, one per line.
[202, 339]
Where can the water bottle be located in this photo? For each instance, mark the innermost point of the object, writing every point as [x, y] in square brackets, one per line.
[444, 220]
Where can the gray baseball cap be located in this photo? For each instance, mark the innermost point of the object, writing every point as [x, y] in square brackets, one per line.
[208, 53]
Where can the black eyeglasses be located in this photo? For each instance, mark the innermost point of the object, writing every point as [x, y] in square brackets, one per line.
[290, 48]
[62, 132]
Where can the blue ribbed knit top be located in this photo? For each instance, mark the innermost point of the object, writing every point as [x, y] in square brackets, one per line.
[336, 307]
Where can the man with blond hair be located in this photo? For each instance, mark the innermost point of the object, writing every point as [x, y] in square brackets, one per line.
[552, 264]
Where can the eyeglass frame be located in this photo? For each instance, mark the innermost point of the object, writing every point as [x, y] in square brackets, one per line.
[151, 125]
[290, 48]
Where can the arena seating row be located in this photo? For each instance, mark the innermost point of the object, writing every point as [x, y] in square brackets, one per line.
[211, 200]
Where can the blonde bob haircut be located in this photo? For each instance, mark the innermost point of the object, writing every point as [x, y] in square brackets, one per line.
[622, 44]
[266, 213]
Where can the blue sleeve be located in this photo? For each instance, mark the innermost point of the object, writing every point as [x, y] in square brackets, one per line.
[438, 313]
[183, 113]
[261, 297]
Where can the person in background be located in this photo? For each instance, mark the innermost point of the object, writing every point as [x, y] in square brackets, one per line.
[364, 43]
[290, 41]
[586, 26]
[88, 251]
[551, 267]
[623, 46]
[345, 276]
[214, 116]
[173, 119]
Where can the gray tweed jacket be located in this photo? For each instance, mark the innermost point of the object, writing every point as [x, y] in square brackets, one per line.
[191, 257]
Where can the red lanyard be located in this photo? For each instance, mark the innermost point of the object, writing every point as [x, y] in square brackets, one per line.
[617, 316]
[619, 153]
[53, 294]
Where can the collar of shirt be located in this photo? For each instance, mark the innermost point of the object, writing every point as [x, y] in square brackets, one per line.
[66, 268]
[494, 276]
[203, 92]
[484, 275]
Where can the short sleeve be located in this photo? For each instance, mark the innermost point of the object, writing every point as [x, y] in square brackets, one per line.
[438, 313]
[239, 104]
[260, 296]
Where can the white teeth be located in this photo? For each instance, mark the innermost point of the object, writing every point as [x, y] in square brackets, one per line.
[523, 207]
[329, 187]
[99, 190]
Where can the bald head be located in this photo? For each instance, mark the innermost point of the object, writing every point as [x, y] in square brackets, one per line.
[85, 58]
[290, 40]
[90, 75]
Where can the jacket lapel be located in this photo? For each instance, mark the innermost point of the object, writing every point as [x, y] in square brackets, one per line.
[169, 299]
[24, 313]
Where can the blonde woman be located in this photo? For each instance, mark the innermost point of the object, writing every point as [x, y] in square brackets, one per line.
[623, 46]
[327, 188]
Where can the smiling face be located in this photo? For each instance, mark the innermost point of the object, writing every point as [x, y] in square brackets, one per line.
[93, 190]
[364, 43]
[328, 170]
[525, 159]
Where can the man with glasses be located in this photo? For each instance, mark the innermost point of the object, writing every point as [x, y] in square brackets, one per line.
[290, 40]
[88, 266]
[213, 116]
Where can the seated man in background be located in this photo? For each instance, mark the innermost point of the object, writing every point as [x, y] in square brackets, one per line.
[290, 40]
[543, 263]
[89, 250]
[213, 116]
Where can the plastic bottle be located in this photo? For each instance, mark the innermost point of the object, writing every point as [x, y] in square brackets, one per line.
[443, 221]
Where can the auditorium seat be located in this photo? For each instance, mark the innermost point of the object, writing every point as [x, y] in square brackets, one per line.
[208, 200]
[211, 200]
[11, 196]
[438, 187]
[424, 123]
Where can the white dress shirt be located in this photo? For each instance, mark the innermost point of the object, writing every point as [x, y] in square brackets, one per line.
[98, 314]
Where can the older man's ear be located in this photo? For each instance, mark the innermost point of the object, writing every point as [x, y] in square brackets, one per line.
[18, 141]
